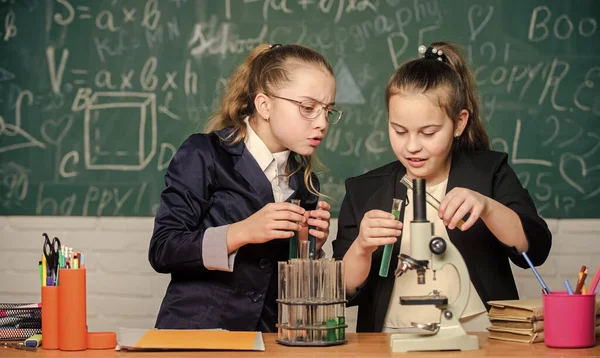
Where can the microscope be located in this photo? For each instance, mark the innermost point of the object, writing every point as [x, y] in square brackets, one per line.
[433, 252]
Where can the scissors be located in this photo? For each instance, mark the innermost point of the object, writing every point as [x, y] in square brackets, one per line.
[51, 251]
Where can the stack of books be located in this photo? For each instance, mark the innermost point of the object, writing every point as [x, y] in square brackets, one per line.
[517, 320]
[522, 320]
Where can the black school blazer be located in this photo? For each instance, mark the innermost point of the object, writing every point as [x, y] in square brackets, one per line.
[485, 172]
[212, 182]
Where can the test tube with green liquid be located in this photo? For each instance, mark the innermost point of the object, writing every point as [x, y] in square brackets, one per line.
[294, 239]
[387, 249]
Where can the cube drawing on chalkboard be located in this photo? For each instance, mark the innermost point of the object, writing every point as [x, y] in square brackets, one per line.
[120, 131]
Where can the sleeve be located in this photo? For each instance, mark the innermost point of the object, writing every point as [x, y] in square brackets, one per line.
[179, 242]
[214, 249]
[509, 191]
[348, 229]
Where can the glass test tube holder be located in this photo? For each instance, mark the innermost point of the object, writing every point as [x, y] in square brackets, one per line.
[311, 302]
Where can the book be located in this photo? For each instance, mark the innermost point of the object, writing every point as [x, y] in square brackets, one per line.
[530, 309]
[188, 339]
[515, 335]
[536, 326]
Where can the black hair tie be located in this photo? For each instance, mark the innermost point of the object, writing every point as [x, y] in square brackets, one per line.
[432, 52]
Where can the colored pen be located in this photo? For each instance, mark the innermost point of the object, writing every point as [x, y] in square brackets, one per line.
[537, 275]
[568, 287]
[581, 279]
[34, 341]
[594, 283]
[44, 270]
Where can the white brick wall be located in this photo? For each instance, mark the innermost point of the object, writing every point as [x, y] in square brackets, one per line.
[124, 291]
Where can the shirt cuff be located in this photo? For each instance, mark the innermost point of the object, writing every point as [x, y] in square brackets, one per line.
[214, 249]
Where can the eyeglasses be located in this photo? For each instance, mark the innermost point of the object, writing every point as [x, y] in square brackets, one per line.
[311, 109]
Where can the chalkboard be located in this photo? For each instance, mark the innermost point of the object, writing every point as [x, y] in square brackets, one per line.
[96, 96]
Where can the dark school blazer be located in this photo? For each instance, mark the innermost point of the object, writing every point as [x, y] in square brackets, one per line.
[487, 259]
[211, 182]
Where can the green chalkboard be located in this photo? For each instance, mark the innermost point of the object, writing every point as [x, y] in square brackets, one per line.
[96, 96]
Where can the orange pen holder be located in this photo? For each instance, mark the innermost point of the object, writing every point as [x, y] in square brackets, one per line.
[50, 317]
[72, 325]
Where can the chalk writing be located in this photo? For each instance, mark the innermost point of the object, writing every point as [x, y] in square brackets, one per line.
[97, 96]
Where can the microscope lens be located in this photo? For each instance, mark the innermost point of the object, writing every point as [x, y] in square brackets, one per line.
[421, 277]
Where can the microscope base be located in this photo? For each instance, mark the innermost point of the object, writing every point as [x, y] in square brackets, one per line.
[447, 338]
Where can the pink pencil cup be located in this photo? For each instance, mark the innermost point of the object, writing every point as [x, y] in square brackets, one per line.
[569, 320]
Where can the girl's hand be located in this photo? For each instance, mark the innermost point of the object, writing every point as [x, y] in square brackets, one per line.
[273, 221]
[377, 228]
[460, 202]
[319, 220]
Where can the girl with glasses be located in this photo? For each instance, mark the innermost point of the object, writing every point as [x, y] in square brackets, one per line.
[225, 217]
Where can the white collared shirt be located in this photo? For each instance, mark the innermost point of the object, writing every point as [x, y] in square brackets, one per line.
[272, 164]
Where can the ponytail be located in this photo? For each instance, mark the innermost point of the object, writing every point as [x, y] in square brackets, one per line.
[237, 102]
[459, 92]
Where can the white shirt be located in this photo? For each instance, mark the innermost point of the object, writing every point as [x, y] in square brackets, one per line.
[447, 280]
[272, 164]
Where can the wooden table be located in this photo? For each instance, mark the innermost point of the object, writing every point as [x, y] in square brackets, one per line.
[359, 345]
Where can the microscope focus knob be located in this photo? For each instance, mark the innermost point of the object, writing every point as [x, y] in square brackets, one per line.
[437, 245]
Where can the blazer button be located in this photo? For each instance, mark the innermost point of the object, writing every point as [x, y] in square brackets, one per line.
[264, 264]
[254, 296]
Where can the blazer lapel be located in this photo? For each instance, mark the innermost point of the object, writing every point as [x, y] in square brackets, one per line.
[247, 167]
[458, 176]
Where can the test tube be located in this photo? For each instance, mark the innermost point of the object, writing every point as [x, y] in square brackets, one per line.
[387, 249]
[316, 314]
[282, 288]
[312, 250]
[293, 322]
[294, 239]
[328, 317]
[303, 246]
[340, 297]
[305, 307]
[290, 290]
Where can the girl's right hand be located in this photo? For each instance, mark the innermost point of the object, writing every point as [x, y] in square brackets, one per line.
[377, 228]
[273, 221]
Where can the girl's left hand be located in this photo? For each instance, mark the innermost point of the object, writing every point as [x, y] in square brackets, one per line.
[460, 202]
[319, 220]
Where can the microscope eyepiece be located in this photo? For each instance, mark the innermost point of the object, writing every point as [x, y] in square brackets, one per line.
[419, 201]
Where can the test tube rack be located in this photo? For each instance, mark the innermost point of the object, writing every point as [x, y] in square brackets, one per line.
[311, 302]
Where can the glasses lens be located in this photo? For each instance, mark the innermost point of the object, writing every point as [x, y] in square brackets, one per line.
[333, 116]
[310, 109]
